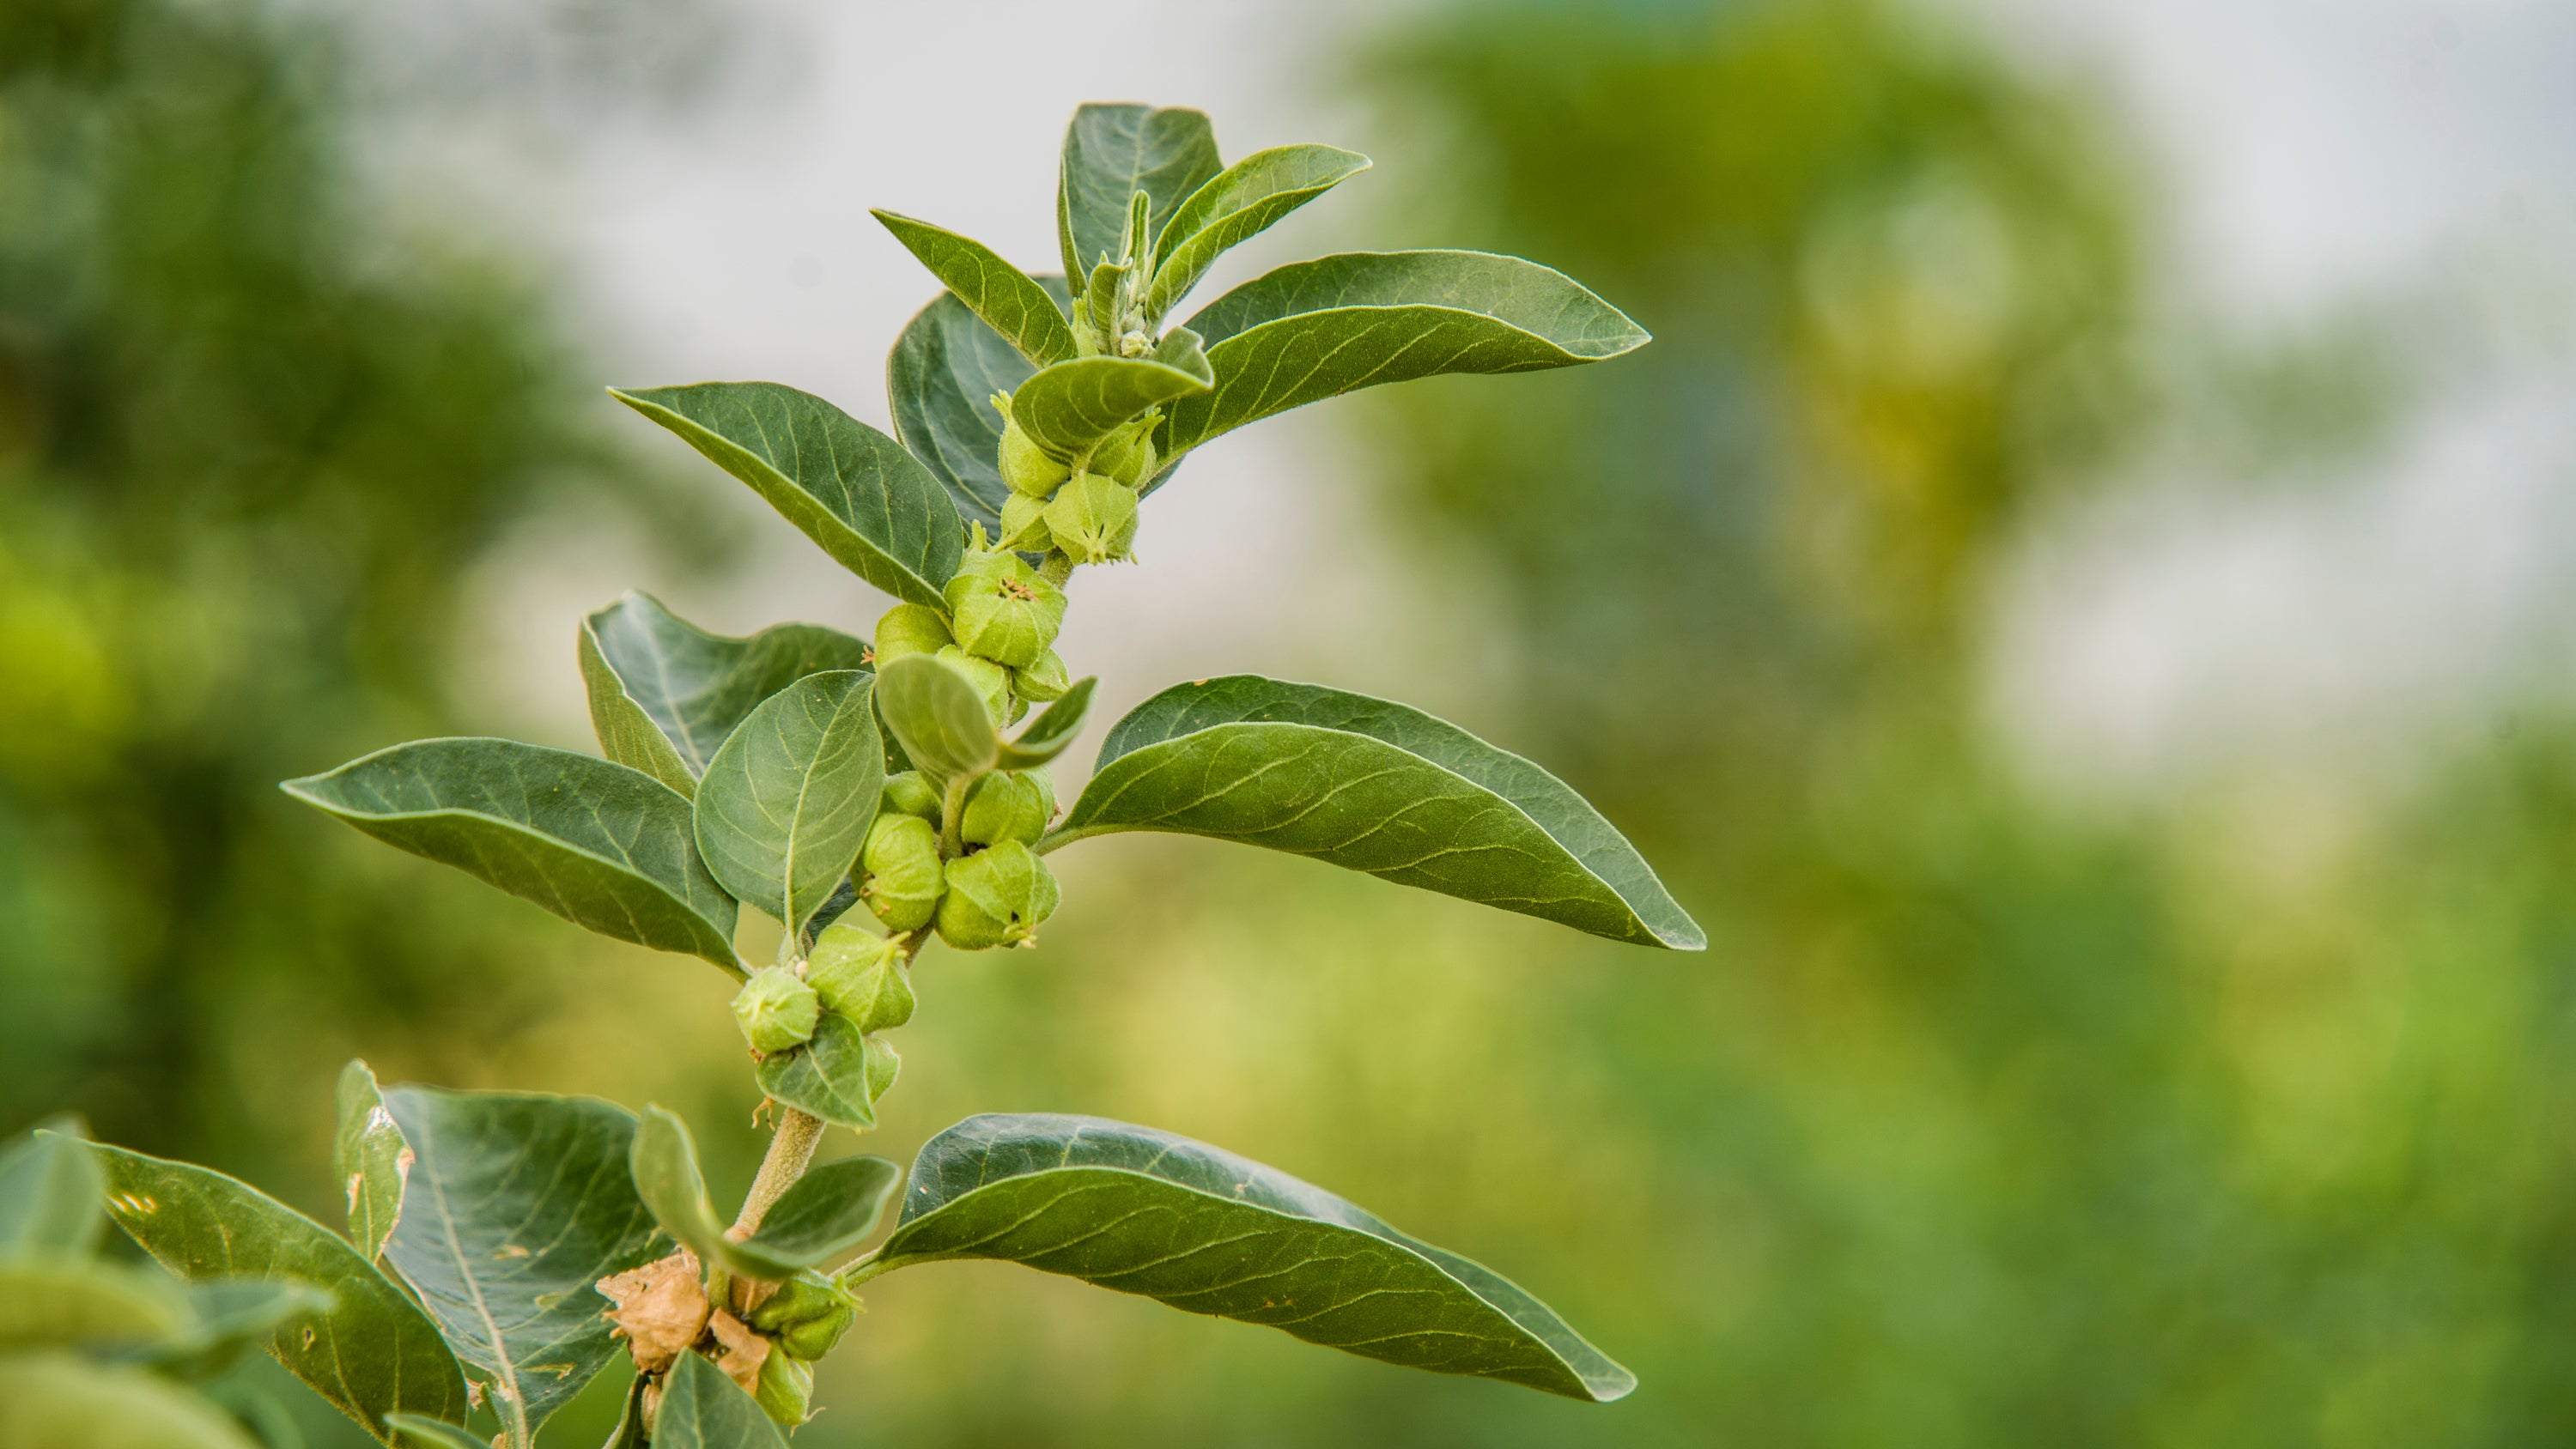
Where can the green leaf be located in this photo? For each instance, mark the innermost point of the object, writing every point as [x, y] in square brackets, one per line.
[433, 1434]
[1317, 329]
[1141, 1211]
[1242, 201]
[1112, 152]
[57, 1299]
[702, 1409]
[1068, 408]
[227, 1317]
[49, 1190]
[786, 802]
[940, 380]
[56, 1401]
[369, 1154]
[829, 1211]
[826, 1077]
[825, 1214]
[1050, 733]
[373, 1354]
[1009, 300]
[852, 489]
[666, 694]
[1377, 787]
[596, 843]
[517, 1205]
[937, 716]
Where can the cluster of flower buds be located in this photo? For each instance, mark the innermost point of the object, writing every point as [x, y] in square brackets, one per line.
[999, 631]
[850, 973]
[996, 892]
[1086, 509]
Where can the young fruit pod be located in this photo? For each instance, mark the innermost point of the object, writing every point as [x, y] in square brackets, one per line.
[776, 1009]
[910, 629]
[1127, 455]
[909, 792]
[807, 1315]
[1093, 518]
[1024, 527]
[900, 878]
[1008, 805]
[1025, 465]
[785, 1389]
[996, 897]
[1043, 681]
[860, 976]
[992, 682]
[999, 609]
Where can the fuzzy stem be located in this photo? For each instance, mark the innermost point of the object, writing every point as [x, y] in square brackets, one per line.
[952, 815]
[1057, 569]
[791, 1151]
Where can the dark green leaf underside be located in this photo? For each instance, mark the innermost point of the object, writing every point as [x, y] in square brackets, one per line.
[665, 694]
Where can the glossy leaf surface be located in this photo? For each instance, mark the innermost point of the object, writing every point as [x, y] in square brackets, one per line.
[1377, 787]
[829, 1211]
[57, 1401]
[1070, 407]
[373, 1354]
[850, 488]
[827, 1076]
[1111, 152]
[786, 802]
[49, 1192]
[1141, 1211]
[1009, 300]
[1240, 202]
[666, 694]
[702, 1409]
[940, 381]
[596, 843]
[371, 1157]
[517, 1204]
[1317, 329]
[1051, 732]
[937, 716]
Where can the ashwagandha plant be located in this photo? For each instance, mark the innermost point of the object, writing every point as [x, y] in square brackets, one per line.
[871, 796]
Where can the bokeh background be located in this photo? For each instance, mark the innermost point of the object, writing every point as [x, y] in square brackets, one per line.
[2078, 599]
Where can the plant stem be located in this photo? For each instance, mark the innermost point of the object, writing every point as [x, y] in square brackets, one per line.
[791, 1151]
[952, 815]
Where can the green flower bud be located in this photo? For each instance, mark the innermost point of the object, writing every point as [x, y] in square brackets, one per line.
[860, 976]
[996, 897]
[882, 1064]
[1008, 805]
[1045, 680]
[910, 793]
[777, 1009]
[900, 875]
[991, 680]
[1093, 518]
[1127, 454]
[1001, 610]
[785, 1389]
[1025, 465]
[1024, 525]
[910, 629]
[809, 1311]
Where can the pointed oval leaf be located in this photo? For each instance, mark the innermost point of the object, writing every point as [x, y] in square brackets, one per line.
[373, 1354]
[827, 1077]
[829, 1211]
[665, 694]
[825, 1214]
[371, 1157]
[56, 1298]
[1141, 1211]
[1317, 329]
[1240, 202]
[702, 1409]
[1111, 152]
[1009, 300]
[850, 488]
[518, 1204]
[49, 1190]
[1068, 408]
[786, 803]
[57, 1401]
[1051, 732]
[1378, 787]
[600, 845]
[937, 716]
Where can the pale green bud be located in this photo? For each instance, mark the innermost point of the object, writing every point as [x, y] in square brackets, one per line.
[1025, 465]
[1000, 609]
[776, 1010]
[992, 682]
[785, 1389]
[1008, 805]
[1024, 527]
[996, 897]
[899, 871]
[1043, 681]
[1093, 519]
[860, 976]
[910, 629]
[1127, 454]
[910, 792]
[807, 1315]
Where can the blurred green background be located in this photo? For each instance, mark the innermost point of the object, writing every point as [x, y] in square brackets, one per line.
[1992, 1116]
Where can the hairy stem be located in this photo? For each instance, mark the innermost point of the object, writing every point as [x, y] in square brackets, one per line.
[952, 814]
[791, 1151]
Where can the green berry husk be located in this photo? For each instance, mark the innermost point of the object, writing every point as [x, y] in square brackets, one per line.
[1127, 455]
[909, 792]
[785, 1389]
[996, 897]
[861, 976]
[1000, 609]
[808, 1311]
[1024, 527]
[1026, 466]
[910, 629]
[1045, 680]
[900, 875]
[1008, 805]
[1093, 519]
[992, 682]
[776, 1010]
